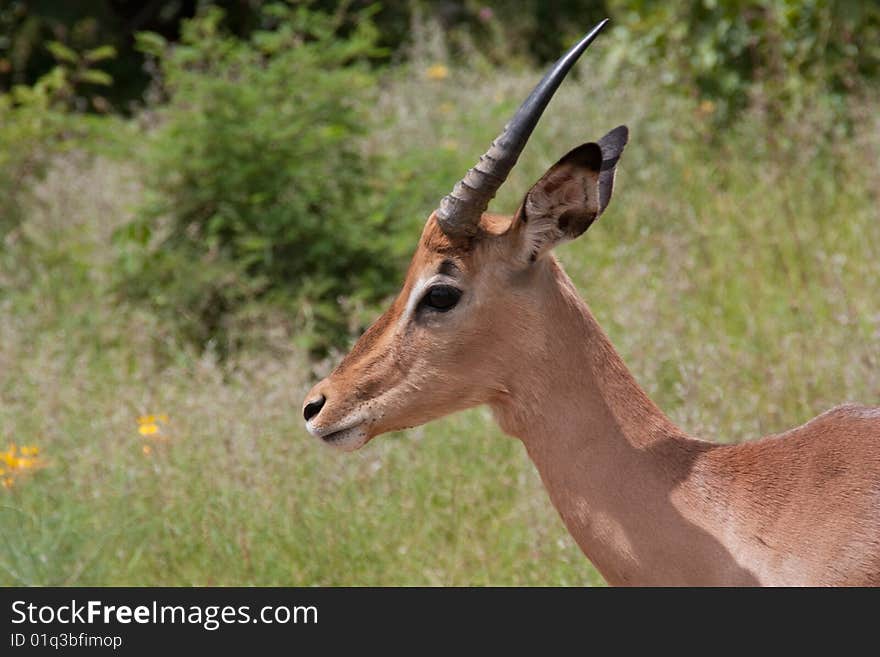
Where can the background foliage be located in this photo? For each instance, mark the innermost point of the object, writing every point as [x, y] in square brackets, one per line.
[202, 203]
[258, 186]
[257, 155]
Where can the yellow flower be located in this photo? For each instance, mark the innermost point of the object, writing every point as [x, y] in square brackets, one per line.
[148, 429]
[8, 456]
[17, 460]
[154, 428]
[437, 72]
[150, 425]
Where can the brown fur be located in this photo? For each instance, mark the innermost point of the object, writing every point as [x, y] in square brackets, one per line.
[647, 504]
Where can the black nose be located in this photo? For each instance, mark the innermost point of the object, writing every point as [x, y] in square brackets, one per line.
[314, 407]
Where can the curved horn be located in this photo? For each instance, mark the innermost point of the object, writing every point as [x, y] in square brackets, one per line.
[459, 212]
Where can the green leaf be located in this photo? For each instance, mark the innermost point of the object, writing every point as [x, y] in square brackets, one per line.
[150, 43]
[95, 76]
[62, 53]
[101, 53]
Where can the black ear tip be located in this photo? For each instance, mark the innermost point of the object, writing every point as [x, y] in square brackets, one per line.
[612, 146]
[615, 139]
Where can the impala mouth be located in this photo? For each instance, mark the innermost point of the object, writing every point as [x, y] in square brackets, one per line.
[348, 439]
[337, 435]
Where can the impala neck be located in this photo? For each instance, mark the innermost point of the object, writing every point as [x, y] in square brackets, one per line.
[629, 485]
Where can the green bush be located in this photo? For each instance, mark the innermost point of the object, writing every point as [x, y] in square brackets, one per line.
[38, 121]
[258, 184]
[28, 126]
[778, 54]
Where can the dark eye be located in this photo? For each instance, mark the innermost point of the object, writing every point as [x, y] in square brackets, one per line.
[441, 298]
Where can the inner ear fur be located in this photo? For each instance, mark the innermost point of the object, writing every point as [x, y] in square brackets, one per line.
[565, 201]
[571, 195]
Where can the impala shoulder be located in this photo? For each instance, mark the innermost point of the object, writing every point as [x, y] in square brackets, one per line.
[846, 433]
[844, 413]
[840, 427]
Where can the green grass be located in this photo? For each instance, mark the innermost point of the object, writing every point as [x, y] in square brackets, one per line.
[736, 273]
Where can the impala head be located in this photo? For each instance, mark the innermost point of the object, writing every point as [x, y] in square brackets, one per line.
[472, 295]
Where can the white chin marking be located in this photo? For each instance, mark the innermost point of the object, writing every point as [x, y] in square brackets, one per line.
[346, 440]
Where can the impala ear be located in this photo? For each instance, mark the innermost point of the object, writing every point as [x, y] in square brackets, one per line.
[570, 196]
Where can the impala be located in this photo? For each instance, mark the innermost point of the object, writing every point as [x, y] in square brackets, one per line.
[486, 315]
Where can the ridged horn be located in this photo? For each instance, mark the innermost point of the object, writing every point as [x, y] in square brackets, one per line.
[459, 212]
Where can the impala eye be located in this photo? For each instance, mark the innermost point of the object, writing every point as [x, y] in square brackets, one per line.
[441, 298]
